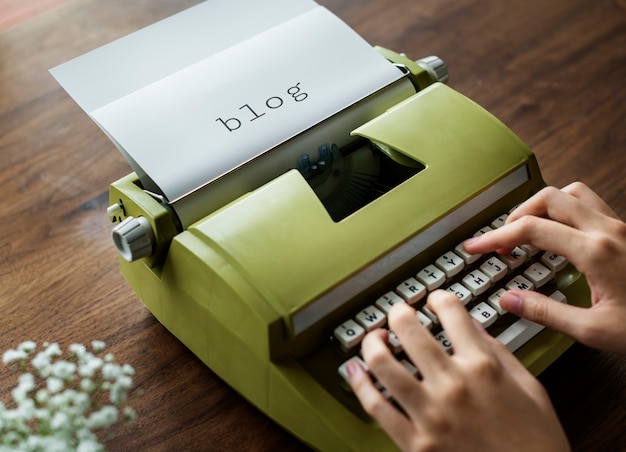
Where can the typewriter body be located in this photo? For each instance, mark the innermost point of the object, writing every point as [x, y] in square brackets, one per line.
[256, 288]
[276, 256]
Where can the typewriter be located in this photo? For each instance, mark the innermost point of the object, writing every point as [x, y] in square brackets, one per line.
[272, 273]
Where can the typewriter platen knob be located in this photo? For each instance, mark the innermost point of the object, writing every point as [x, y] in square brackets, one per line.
[133, 238]
[435, 67]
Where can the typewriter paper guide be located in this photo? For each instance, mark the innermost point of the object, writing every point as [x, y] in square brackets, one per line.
[184, 126]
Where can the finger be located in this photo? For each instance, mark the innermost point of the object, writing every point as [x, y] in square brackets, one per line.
[571, 320]
[397, 426]
[418, 343]
[517, 371]
[465, 338]
[589, 198]
[540, 232]
[559, 206]
[403, 386]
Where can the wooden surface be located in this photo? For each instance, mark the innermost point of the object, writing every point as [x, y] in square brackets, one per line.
[552, 71]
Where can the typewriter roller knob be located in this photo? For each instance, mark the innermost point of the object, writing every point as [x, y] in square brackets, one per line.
[435, 67]
[133, 238]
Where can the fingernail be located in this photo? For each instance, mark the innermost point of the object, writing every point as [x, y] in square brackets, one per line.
[471, 240]
[512, 303]
[351, 367]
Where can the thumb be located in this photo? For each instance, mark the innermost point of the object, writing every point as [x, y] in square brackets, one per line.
[544, 310]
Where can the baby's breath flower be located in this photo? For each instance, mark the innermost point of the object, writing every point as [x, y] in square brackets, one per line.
[127, 369]
[129, 414]
[53, 350]
[98, 346]
[54, 384]
[27, 346]
[87, 385]
[64, 370]
[104, 417]
[13, 355]
[91, 365]
[61, 402]
[41, 363]
[78, 349]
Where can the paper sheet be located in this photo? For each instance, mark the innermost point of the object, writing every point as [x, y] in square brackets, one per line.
[192, 120]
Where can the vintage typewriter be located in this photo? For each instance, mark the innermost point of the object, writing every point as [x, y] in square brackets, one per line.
[272, 274]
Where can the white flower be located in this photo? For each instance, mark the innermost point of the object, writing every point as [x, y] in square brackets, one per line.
[26, 384]
[129, 414]
[59, 420]
[89, 445]
[127, 369]
[104, 417]
[78, 349]
[59, 404]
[27, 346]
[53, 350]
[90, 367]
[98, 346]
[41, 362]
[54, 384]
[64, 370]
[87, 385]
[111, 371]
[13, 355]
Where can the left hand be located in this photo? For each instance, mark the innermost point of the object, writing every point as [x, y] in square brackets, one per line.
[479, 398]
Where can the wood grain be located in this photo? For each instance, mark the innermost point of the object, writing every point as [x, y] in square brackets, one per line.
[552, 71]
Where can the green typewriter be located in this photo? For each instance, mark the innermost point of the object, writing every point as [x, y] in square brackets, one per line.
[272, 272]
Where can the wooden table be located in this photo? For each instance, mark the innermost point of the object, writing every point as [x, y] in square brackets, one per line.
[553, 71]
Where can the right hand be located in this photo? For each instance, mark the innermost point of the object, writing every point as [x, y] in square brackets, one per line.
[573, 222]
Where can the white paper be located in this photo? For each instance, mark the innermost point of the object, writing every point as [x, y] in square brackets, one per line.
[204, 119]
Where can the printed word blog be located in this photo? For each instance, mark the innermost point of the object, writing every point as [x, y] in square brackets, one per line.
[272, 103]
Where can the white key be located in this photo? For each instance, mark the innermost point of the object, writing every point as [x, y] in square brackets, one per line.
[450, 263]
[554, 261]
[410, 367]
[467, 257]
[343, 371]
[515, 258]
[385, 302]
[519, 333]
[384, 391]
[394, 343]
[494, 301]
[431, 315]
[484, 314]
[442, 339]
[499, 222]
[494, 268]
[477, 282]
[461, 292]
[530, 249]
[559, 296]
[431, 277]
[411, 290]
[371, 318]
[349, 334]
[424, 320]
[538, 274]
[519, 282]
[483, 230]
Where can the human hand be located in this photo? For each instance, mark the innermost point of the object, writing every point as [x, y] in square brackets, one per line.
[573, 222]
[479, 398]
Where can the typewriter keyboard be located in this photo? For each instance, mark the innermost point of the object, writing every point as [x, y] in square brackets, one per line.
[477, 280]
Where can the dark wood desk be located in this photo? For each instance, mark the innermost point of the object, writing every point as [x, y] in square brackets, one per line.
[553, 71]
